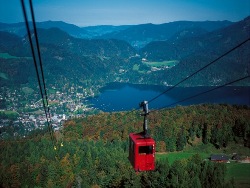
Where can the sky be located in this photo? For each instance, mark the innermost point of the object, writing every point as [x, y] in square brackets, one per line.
[126, 12]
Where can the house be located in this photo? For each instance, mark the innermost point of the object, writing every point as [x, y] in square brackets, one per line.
[236, 157]
[246, 160]
[220, 158]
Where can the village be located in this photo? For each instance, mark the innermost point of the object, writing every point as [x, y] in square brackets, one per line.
[22, 109]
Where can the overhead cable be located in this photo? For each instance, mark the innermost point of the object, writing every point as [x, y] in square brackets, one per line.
[39, 54]
[204, 92]
[199, 70]
[36, 68]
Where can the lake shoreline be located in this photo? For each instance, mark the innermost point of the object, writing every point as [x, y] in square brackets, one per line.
[118, 96]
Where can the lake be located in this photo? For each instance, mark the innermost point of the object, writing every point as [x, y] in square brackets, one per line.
[123, 97]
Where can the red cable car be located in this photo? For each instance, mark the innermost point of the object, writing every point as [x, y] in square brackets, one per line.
[141, 152]
[142, 146]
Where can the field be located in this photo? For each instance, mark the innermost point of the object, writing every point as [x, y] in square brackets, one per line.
[173, 156]
[136, 67]
[240, 172]
[27, 90]
[8, 114]
[3, 75]
[8, 56]
[51, 91]
[52, 103]
[169, 64]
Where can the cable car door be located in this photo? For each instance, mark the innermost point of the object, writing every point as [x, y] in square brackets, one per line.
[146, 157]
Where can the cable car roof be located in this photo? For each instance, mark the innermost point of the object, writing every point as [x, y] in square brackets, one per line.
[140, 138]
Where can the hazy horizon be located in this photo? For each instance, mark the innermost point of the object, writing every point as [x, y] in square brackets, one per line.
[126, 24]
[118, 12]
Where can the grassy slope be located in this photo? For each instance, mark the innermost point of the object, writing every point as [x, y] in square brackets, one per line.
[163, 63]
[238, 171]
[3, 75]
[172, 156]
[8, 56]
[9, 114]
[27, 90]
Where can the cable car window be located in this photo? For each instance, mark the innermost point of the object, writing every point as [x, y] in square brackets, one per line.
[131, 145]
[144, 150]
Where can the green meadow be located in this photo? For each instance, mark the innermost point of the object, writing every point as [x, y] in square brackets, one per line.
[239, 172]
[3, 75]
[170, 64]
[8, 56]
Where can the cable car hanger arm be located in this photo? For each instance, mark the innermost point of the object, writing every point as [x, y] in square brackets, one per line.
[144, 106]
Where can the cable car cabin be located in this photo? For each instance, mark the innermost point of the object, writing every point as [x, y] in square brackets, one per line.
[141, 152]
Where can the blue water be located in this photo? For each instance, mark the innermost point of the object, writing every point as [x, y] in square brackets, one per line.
[120, 97]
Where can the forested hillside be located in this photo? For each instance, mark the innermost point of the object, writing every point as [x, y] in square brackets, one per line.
[20, 30]
[95, 150]
[140, 35]
[173, 128]
[194, 52]
[99, 61]
[188, 43]
[65, 59]
[56, 128]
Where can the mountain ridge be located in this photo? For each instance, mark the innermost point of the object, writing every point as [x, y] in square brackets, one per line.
[64, 56]
[196, 52]
[130, 33]
[234, 33]
[140, 35]
[108, 60]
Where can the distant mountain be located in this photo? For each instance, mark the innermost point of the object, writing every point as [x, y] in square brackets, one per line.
[65, 58]
[193, 52]
[97, 31]
[20, 29]
[195, 40]
[140, 35]
[137, 35]
[15, 28]
[12, 44]
[71, 29]
[68, 59]
[188, 33]
[86, 47]
[8, 41]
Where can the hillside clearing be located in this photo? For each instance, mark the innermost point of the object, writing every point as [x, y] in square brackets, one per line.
[8, 56]
[158, 64]
[3, 75]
